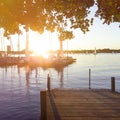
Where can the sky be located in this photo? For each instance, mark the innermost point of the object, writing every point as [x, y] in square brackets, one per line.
[100, 36]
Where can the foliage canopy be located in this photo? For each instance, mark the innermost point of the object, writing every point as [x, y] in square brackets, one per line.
[55, 15]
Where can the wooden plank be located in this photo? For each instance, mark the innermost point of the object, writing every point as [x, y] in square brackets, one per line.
[50, 115]
[85, 105]
[43, 105]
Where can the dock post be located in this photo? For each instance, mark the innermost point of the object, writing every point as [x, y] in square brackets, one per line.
[113, 84]
[43, 105]
[48, 83]
[89, 78]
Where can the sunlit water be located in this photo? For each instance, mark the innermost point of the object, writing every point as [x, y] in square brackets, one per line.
[20, 87]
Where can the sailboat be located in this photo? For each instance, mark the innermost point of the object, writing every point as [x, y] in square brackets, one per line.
[95, 52]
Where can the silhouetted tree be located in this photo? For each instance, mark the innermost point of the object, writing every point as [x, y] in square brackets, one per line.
[108, 10]
[40, 15]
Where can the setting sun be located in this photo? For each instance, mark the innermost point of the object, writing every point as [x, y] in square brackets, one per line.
[41, 44]
[39, 49]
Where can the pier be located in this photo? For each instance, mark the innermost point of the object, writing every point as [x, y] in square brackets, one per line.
[84, 104]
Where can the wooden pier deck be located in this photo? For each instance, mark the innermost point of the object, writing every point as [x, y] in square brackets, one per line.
[81, 105]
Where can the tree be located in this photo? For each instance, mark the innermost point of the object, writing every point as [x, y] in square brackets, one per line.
[8, 19]
[39, 15]
[108, 10]
[64, 35]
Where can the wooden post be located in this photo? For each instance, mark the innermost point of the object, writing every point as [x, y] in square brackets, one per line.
[43, 105]
[113, 84]
[48, 82]
[89, 78]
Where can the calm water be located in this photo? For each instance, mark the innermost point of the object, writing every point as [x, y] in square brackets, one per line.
[20, 87]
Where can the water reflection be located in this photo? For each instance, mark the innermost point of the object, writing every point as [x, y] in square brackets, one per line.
[19, 97]
[61, 76]
[29, 71]
[20, 86]
[27, 75]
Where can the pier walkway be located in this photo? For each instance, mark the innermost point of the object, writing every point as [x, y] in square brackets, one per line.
[80, 105]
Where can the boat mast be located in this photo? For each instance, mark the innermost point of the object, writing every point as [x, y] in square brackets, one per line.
[60, 49]
[27, 42]
[95, 51]
[50, 41]
[18, 43]
[9, 47]
[2, 44]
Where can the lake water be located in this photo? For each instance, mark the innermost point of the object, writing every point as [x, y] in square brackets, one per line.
[20, 87]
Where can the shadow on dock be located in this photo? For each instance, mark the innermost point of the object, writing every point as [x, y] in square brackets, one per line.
[59, 104]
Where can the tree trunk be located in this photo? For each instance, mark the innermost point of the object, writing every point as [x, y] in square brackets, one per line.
[61, 48]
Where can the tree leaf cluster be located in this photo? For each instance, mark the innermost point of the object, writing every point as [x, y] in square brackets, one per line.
[108, 10]
[55, 15]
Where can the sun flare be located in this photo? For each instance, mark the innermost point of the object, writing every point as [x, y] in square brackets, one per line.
[41, 53]
[40, 50]
[39, 44]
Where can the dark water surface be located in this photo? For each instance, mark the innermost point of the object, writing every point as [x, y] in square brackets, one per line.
[20, 87]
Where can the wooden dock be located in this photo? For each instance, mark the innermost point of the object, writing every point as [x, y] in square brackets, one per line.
[80, 105]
